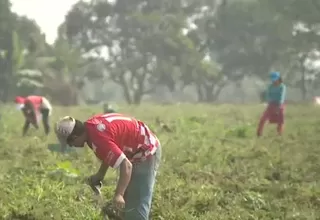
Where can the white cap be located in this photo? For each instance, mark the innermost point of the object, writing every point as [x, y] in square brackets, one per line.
[63, 128]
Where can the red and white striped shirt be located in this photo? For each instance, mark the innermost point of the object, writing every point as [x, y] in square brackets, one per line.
[113, 137]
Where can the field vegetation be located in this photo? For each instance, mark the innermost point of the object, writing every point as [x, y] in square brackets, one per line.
[213, 166]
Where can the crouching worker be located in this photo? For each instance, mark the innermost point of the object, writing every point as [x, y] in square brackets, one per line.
[120, 142]
[107, 108]
[34, 107]
[275, 96]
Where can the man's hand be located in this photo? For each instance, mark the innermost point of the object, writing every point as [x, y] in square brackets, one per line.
[95, 182]
[118, 201]
[95, 179]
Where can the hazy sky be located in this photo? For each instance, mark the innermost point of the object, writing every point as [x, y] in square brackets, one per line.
[49, 14]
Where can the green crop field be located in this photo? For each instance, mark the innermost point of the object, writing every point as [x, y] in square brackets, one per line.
[213, 166]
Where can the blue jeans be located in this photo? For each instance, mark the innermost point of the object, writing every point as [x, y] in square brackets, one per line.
[139, 193]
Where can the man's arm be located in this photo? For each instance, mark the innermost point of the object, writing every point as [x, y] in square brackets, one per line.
[102, 170]
[25, 114]
[125, 176]
[114, 157]
[266, 95]
[95, 180]
[111, 155]
[282, 95]
[25, 127]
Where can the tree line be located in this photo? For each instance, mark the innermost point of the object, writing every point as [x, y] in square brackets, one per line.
[140, 44]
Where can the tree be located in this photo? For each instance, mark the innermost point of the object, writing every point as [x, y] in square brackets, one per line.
[203, 71]
[6, 49]
[206, 44]
[144, 41]
[248, 39]
[305, 40]
[64, 73]
[21, 42]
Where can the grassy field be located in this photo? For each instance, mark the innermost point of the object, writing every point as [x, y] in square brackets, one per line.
[213, 167]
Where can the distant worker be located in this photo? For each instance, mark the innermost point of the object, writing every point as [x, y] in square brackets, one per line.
[107, 108]
[34, 107]
[122, 142]
[275, 96]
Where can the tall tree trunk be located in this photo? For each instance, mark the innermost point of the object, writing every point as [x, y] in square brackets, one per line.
[8, 78]
[199, 92]
[126, 91]
[303, 86]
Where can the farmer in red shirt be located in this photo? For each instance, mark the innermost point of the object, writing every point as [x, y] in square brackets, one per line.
[121, 142]
[32, 108]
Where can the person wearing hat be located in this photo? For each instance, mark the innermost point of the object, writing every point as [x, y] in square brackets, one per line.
[275, 96]
[34, 107]
[107, 108]
[122, 142]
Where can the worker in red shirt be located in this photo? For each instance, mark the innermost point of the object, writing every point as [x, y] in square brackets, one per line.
[122, 142]
[33, 107]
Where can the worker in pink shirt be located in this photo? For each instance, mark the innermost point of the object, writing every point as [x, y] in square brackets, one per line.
[34, 107]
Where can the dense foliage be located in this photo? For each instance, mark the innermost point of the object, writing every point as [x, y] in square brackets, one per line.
[140, 45]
